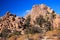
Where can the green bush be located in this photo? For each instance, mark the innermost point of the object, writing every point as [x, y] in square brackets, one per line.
[40, 20]
[14, 33]
[27, 21]
[5, 32]
[33, 30]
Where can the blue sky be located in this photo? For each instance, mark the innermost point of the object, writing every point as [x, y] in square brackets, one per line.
[21, 7]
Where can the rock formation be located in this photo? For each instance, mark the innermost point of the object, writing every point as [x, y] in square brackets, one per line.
[56, 22]
[41, 21]
[43, 15]
[38, 10]
[11, 22]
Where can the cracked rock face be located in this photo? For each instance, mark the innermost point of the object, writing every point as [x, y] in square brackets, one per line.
[57, 22]
[11, 22]
[14, 22]
[49, 19]
[43, 10]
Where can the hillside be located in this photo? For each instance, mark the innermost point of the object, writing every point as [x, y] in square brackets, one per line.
[41, 23]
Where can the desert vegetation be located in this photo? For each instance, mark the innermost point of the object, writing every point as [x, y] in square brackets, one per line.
[42, 24]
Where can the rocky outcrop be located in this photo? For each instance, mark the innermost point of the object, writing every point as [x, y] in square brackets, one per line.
[43, 10]
[56, 22]
[41, 23]
[11, 22]
[42, 16]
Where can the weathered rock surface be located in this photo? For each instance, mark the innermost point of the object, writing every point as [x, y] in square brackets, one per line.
[41, 10]
[41, 23]
[11, 22]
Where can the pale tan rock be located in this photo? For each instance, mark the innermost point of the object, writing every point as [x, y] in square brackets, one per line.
[57, 22]
[13, 22]
[38, 10]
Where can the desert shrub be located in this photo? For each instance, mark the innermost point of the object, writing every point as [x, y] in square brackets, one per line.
[14, 33]
[44, 22]
[27, 21]
[33, 30]
[53, 15]
[40, 20]
[48, 26]
[5, 32]
[10, 35]
[0, 35]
